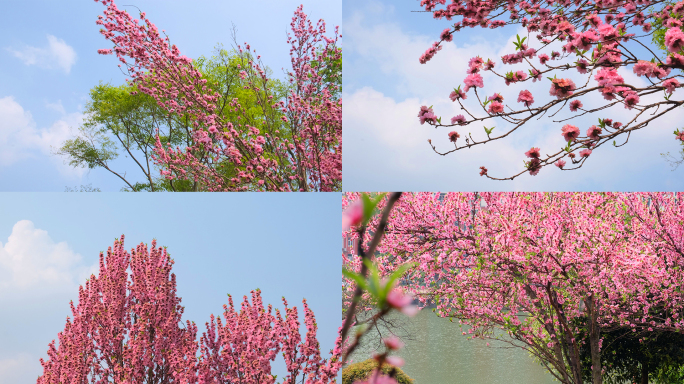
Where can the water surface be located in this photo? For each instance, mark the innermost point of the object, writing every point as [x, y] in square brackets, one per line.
[439, 354]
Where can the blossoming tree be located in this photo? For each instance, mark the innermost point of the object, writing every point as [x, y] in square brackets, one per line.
[127, 328]
[601, 40]
[248, 153]
[542, 267]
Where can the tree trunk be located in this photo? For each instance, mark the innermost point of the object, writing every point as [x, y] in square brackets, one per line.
[644, 373]
[594, 336]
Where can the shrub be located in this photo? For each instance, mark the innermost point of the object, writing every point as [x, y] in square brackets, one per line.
[362, 370]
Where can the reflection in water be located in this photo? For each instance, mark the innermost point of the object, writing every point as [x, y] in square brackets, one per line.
[439, 354]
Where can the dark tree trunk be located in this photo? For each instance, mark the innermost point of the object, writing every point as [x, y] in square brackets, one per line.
[644, 374]
[594, 336]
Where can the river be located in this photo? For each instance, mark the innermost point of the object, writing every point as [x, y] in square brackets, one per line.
[439, 354]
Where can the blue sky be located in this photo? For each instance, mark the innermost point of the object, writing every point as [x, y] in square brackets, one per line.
[386, 147]
[48, 53]
[285, 245]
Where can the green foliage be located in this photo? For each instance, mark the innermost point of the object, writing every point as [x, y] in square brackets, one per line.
[626, 356]
[222, 73]
[377, 287]
[120, 121]
[659, 28]
[331, 71]
[362, 370]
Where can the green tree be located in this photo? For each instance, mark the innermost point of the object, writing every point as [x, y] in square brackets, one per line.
[637, 357]
[122, 121]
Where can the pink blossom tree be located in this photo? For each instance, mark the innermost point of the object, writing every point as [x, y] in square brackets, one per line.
[527, 268]
[126, 325]
[127, 328]
[249, 153]
[242, 349]
[600, 40]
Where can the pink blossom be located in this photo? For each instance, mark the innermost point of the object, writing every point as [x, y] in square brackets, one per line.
[593, 132]
[453, 136]
[533, 153]
[543, 58]
[607, 32]
[585, 153]
[562, 88]
[525, 97]
[674, 39]
[353, 215]
[475, 62]
[457, 94]
[570, 132]
[608, 76]
[495, 107]
[393, 343]
[535, 75]
[575, 105]
[446, 35]
[670, 85]
[402, 302]
[394, 361]
[534, 166]
[426, 114]
[473, 80]
[644, 68]
[496, 97]
[460, 119]
[631, 100]
[560, 163]
[582, 66]
[584, 40]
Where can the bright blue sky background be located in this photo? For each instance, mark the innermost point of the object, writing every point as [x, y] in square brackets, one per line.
[49, 61]
[386, 147]
[286, 245]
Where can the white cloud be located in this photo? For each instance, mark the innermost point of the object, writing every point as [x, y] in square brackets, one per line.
[386, 147]
[32, 263]
[57, 107]
[20, 138]
[57, 54]
[387, 50]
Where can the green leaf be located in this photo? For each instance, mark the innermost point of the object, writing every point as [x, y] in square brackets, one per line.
[360, 280]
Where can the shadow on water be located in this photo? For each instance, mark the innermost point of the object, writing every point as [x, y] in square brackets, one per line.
[437, 353]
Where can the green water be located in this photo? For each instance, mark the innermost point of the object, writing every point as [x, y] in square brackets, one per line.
[440, 354]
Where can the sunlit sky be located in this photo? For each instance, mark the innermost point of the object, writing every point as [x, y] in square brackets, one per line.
[284, 244]
[49, 61]
[386, 147]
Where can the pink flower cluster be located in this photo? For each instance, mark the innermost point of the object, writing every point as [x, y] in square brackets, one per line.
[594, 42]
[562, 88]
[308, 158]
[613, 259]
[127, 328]
[426, 114]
